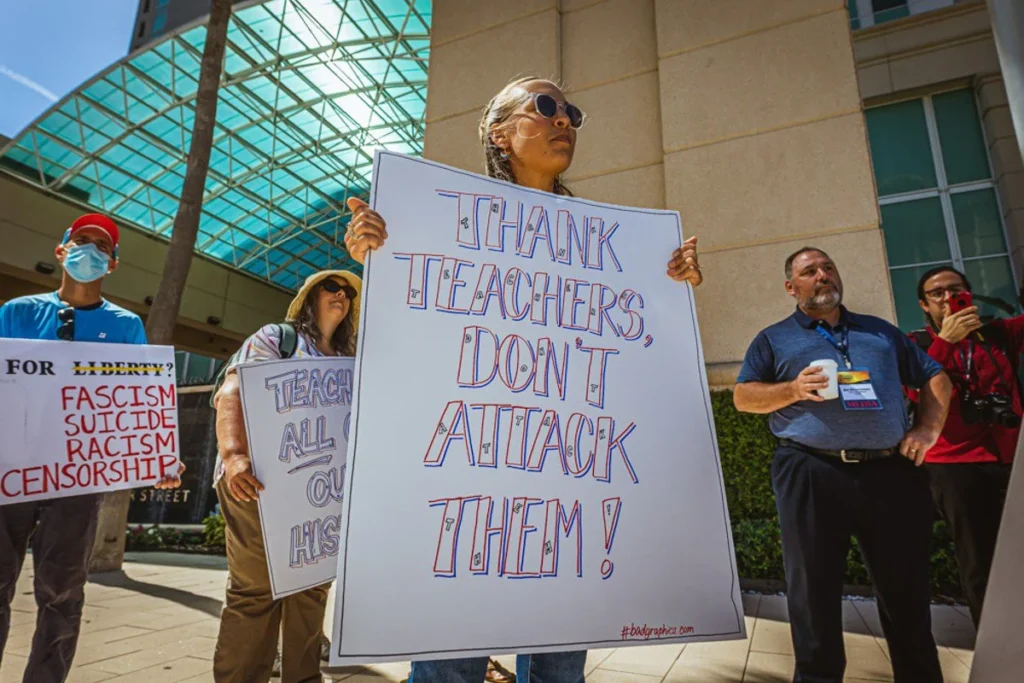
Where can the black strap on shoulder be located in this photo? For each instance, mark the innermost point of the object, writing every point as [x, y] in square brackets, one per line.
[289, 339]
[923, 339]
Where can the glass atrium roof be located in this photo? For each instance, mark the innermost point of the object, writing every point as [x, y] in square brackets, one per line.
[310, 88]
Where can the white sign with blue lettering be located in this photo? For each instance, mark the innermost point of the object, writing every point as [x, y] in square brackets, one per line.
[297, 421]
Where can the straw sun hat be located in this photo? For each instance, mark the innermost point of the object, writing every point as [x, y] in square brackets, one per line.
[295, 307]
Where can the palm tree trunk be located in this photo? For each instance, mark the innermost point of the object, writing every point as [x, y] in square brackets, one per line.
[108, 550]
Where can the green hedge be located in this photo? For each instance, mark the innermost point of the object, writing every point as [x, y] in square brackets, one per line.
[746, 447]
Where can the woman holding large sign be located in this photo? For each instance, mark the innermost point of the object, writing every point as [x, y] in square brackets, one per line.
[321, 321]
[528, 132]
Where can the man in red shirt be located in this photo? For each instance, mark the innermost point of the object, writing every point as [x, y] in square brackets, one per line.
[970, 463]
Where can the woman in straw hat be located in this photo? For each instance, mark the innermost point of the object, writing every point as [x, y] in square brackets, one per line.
[324, 316]
[528, 132]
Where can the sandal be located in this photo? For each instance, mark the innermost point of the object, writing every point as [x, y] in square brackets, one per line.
[496, 673]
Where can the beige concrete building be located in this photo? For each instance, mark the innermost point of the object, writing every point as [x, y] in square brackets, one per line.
[879, 131]
[760, 122]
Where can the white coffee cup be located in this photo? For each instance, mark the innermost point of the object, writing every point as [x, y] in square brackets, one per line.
[829, 368]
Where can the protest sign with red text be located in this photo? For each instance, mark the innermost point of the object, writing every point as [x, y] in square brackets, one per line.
[84, 418]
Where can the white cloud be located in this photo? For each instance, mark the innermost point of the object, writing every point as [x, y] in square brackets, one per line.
[28, 83]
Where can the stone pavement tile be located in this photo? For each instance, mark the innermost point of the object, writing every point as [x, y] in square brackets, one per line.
[648, 660]
[607, 676]
[772, 637]
[157, 639]
[596, 657]
[201, 678]
[91, 637]
[867, 661]
[766, 667]
[198, 647]
[96, 653]
[953, 670]
[721, 662]
[158, 621]
[13, 668]
[965, 656]
[84, 676]
[19, 619]
[170, 672]
[91, 643]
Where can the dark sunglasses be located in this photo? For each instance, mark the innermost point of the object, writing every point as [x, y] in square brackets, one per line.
[547, 106]
[66, 330]
[333, 286]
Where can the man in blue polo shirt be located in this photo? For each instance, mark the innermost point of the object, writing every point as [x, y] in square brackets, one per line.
[848, 466]
[62, 530]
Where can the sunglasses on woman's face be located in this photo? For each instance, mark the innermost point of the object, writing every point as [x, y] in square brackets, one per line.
[66, 330]
[333, 286]
[547, 106]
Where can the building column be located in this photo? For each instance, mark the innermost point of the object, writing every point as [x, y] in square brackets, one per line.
[765, 152]
[1008, 29]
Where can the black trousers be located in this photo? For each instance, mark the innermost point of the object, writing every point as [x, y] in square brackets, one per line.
[62, 533]
[970, 498]
[886, 504]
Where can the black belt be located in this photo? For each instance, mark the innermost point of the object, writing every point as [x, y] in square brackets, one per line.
[850, 455]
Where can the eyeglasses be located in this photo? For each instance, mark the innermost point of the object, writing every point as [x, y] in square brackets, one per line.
[547, 106]
[66, 316]
[333, 286]
[939, 293]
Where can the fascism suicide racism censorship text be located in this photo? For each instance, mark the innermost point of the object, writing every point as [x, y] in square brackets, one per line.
[84, 418]
[297, 415]
[532, 433]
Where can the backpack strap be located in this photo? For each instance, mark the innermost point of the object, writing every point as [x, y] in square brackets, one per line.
[923, 339]
[289, 340]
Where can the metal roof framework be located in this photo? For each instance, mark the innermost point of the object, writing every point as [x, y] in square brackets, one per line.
[309, 89]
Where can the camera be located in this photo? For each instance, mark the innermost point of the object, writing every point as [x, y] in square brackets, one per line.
[995, 409]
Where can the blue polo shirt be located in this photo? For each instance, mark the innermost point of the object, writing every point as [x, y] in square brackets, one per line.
[35, 317]
[781, 352]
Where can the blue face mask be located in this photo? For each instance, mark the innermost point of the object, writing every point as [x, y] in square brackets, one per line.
[85, 263]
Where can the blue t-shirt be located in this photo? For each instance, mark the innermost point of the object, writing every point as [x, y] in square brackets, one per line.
[35, 317]
[781, 352]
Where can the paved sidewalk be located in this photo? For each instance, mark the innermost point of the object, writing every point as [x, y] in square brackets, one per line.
[157, 623]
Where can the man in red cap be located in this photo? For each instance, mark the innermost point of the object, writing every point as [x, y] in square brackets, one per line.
[62, 530]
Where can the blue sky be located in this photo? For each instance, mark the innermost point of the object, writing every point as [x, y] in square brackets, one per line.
[49, 47]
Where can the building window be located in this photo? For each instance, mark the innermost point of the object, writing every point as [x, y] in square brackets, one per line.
[195, 370]
[159, 22]
[887, 10]
[864, 13]
[142, 29]
[938, 200]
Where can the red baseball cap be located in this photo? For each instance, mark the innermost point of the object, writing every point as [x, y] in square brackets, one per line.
[96, 221]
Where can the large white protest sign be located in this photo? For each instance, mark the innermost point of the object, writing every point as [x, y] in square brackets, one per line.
[999, 651]
[533, 464]
[297, 423]
[82, 417]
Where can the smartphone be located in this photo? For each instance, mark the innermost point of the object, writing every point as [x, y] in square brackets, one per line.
[959, 302]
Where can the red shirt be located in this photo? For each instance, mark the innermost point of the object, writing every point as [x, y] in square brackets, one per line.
[991, 373]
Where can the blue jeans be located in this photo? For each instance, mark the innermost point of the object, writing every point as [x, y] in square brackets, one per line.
[548, 667]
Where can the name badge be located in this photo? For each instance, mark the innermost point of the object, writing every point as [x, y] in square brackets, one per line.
[856, 390]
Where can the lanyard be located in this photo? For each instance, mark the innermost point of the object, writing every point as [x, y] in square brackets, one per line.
[842, 347]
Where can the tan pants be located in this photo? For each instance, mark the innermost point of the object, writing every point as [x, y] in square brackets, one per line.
[251, 618]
